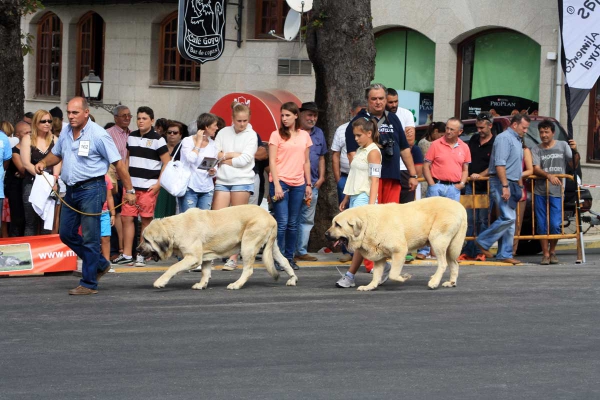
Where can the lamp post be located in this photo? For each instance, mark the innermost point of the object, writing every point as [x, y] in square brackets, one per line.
[90, 86]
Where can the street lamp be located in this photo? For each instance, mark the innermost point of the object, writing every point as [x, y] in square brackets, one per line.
[90, 86]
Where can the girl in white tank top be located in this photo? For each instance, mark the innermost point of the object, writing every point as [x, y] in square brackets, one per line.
[365, 170]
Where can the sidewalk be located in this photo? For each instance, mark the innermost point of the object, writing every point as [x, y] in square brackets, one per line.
[331, 259]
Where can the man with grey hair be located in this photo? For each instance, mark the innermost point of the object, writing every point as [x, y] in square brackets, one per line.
[119, 134]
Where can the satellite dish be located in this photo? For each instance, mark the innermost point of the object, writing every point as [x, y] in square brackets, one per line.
[300, 6]
[292, 25]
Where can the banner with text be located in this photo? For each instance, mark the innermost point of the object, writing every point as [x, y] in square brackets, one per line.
[580, 56]
[35, 255]
[201, 29]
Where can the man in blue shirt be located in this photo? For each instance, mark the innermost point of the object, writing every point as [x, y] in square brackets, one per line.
[309, 113]
[86, 151]
[505, 169]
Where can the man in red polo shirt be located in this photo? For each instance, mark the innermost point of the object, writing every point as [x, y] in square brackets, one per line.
[446, 166]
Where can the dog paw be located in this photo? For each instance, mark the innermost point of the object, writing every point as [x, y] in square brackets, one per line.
[200, 286]
[433, 284]
[449, 284]
[365, 288]
[234, 286]
[292, 281]
[160, 283]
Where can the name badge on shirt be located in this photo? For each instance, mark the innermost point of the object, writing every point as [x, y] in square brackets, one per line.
[84, 148]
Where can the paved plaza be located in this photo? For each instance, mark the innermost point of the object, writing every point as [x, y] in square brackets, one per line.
[524, 332]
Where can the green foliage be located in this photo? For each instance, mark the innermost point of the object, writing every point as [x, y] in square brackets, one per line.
[29, 7]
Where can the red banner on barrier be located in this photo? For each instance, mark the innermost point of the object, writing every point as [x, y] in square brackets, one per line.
[35, 255]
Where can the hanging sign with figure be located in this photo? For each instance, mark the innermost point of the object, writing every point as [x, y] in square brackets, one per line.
[201, 29]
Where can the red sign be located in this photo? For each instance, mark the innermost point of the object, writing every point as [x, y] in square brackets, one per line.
[35, 255]
[264, 106]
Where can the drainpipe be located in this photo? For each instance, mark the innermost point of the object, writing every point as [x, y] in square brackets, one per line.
[559, 74]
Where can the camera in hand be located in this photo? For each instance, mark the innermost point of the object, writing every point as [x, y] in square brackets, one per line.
[388, 147]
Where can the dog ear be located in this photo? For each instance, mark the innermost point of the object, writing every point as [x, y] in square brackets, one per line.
[356, 225]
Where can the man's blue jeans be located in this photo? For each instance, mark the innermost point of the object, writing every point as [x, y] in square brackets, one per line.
[306, 223]
[503, 228]
[481, 221]
[440, 190]
[87, 198]
[340, 187]
[193, 199]
[287, 213]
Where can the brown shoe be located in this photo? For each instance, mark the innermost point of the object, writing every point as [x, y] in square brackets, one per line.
[305, 257]
[545, 260]
[484, 251]
[510, 261]
[82, 290]
[100, 274]
[553, 259]
[345, 258]
[420, 256]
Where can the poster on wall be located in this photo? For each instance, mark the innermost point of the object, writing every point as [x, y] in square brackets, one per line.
[201, 29]
[410, 100]
[425, 109]
[35, 255]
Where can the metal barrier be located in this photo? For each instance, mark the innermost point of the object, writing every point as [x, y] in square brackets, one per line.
[482, 201]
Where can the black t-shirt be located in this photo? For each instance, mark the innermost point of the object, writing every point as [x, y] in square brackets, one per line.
[391, 128]
[480, 159]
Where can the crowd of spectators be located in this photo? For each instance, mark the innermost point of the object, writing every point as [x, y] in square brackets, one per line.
[379, 136]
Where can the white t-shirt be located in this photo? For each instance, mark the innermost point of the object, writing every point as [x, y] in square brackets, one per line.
[339, 144]
[200, 181]
[407, 119]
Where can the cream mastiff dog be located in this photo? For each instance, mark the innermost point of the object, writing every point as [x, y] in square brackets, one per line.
[200, 236]
[391, 230]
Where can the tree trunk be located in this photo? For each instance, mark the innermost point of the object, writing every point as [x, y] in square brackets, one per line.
[341, 46]
[11, 62]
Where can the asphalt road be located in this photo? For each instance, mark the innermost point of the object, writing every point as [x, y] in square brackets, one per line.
[525, 332]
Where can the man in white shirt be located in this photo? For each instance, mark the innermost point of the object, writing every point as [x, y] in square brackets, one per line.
[405, 116]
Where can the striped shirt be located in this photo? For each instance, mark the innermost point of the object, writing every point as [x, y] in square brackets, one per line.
[144, 158]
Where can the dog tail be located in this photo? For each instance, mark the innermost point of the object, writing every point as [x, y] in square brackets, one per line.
[270, 249]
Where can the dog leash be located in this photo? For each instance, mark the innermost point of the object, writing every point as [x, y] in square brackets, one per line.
[74, 209]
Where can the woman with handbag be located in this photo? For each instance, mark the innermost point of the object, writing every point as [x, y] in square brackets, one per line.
[166, 204]
[194, 150]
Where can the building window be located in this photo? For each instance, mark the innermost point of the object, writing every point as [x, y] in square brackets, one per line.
[49, 43]
[90, 48]
[497, 70]
[594, 125]
[405, 61]
[294, 66]
[174, 69]
[270, 16]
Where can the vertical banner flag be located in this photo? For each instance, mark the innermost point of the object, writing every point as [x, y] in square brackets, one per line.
[580, 56]
[201, 29]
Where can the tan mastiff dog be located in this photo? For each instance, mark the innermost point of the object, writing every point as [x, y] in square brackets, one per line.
[200, 236]
[391, 230]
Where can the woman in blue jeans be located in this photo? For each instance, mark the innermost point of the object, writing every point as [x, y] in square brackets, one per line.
[290, 171]
[193, 150]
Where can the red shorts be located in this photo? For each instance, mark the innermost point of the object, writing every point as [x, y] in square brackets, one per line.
[389, 191]
[145, 202]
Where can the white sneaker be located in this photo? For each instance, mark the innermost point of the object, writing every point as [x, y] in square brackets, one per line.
[386, 273]
[345, 282]
[111, 270]
[139, 261]
[230, 265]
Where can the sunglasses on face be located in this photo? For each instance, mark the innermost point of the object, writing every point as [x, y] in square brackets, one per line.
[172, 132]
[45, 121]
